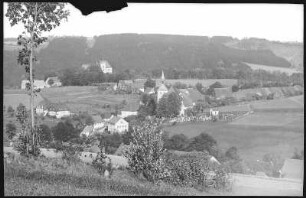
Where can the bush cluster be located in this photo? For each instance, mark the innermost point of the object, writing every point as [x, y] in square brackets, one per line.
[146, 156]
[195, 170]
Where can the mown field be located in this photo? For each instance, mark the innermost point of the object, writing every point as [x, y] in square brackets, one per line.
[14, 99]
[276, 126]
[85, 98]
[204, 82]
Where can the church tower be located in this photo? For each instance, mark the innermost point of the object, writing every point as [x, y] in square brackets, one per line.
[162, 89]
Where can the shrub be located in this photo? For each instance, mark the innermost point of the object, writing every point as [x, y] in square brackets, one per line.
[10, 111]
[195, 170]
[145, 152]
[102, 163]
[10, 130]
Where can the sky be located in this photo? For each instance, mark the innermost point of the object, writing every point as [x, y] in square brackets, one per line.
[277, 22]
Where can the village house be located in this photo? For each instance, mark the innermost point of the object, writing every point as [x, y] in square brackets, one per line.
[105, 67]
[117, 124]
[53, 110]
[189, 96]
[53, 82]
[38, 84]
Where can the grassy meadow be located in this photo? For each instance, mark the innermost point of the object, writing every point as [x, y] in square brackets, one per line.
[56, 177]
[272, 68]
[85, 98]
[276, 126]
[14, 99]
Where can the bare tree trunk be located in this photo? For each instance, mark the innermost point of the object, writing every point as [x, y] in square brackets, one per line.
[32, 81]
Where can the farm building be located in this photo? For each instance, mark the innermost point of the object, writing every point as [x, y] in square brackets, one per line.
[117, 124]
[38, 84]
[53, 82]
[221, 93]
[53, 109]
[105, 67]
[293, 169]
[130, 109]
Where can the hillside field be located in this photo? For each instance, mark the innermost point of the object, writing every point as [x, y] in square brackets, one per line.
[85, 98]
[14, 99]
[272, 128]
[289, 71]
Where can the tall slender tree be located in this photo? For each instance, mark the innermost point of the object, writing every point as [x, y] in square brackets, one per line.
[36, 17]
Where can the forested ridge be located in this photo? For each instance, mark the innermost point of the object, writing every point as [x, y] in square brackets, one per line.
[138, 52]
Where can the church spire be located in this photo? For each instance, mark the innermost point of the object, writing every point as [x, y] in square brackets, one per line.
[163, 76]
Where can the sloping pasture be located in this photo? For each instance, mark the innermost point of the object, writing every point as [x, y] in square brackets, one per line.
[85, 98]
[276, 126]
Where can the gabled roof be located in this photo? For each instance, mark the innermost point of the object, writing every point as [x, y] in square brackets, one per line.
[88, 129]
[55, 79]
[114, 120]
[54, 106]
[149, 90]
[293, 168]
[162, 87]
[107, 65]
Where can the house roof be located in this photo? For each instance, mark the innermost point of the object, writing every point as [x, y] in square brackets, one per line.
[148, 90]
[107, 65]
[54, 106]
[55, 79]
[88, 129]
[223, 92]
[293, 168]
[195, 95]
[114, 120]
[162, 87]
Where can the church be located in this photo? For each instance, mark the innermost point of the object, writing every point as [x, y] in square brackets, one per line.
[189, 96]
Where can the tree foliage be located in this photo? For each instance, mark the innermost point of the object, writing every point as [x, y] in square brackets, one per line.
[10, 111]
[64, 131]
[36, 17]
[169, 105]
[145, 153]
[10, 130]
[202, 142]
[150, 83]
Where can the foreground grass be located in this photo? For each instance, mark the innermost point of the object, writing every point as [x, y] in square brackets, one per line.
[44, 177]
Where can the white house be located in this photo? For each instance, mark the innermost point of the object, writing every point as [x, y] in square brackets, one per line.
[117, 124]
[61, 114]
[105, 67]
[38, 84]
[53, 82]
[39, 110]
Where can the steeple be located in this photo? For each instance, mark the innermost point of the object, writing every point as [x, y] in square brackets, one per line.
[163, 76]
